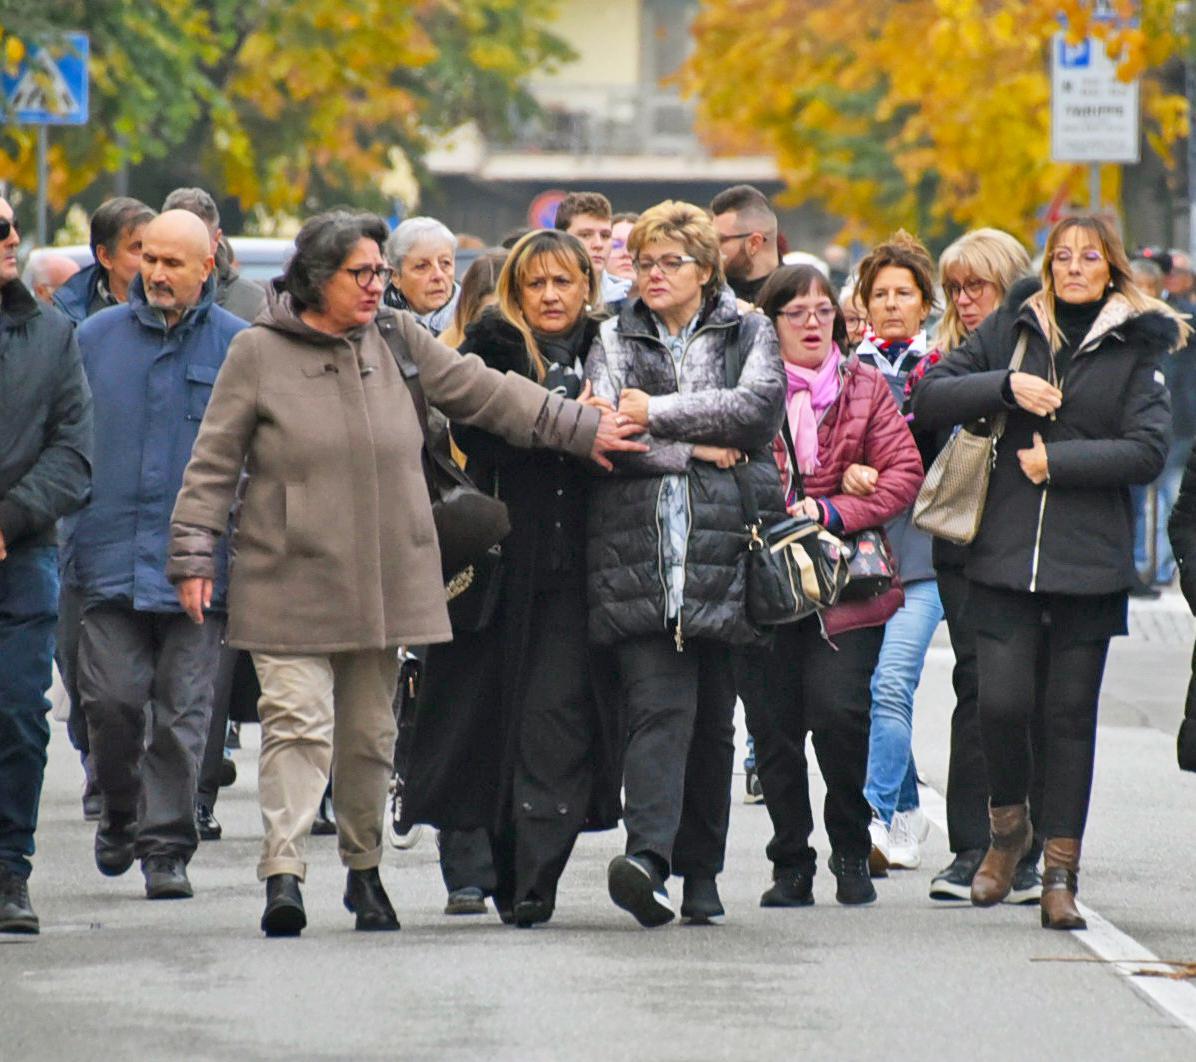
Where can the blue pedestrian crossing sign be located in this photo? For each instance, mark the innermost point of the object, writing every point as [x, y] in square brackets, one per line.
[51, 85]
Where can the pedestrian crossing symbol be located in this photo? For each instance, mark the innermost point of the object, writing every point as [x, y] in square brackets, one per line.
[51, 85]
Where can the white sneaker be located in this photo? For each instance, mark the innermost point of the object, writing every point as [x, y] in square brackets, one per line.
[919, 824]
[878, 857]
[905, 851]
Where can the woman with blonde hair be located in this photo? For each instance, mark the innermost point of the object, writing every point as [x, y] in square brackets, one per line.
[1053, 559]
[477, 292]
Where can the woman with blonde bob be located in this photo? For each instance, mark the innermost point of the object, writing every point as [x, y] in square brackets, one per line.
[508, 734]
[666, 548]
[1052, 562]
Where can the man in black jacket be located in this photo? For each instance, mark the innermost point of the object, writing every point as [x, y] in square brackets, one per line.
[45, 447]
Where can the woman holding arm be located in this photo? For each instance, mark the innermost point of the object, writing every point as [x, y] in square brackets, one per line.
[1053, 559]
[666, 549]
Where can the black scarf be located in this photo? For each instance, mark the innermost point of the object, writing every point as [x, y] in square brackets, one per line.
[563, 352]
[1075, 321]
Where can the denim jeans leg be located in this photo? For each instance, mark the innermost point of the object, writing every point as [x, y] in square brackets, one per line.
[907, 799]
[907, 637]
[1168, 491]
[28, 613]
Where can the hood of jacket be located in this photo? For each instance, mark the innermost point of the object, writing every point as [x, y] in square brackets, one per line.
[281, 314]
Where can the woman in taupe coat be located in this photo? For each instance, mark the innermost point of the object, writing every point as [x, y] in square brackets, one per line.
[337, 561]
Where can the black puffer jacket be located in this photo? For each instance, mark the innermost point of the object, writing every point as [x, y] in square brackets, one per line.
[1074, 534]
[626, 567]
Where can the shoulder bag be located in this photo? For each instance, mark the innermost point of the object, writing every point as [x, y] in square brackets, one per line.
[950, 503]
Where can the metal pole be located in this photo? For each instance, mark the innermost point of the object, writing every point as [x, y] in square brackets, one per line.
[1190, 85]
[1094, 188]
[43, 183]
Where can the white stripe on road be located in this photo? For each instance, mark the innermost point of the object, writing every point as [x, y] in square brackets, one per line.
[1107, 942]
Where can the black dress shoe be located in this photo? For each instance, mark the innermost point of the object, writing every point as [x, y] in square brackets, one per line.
[284, 915]
[206, 825]
[166, 878]
[790, 888]
[228, 772]
[531, 911]
[700, 903]
[114, 843]
[366, 898]
[16, 912]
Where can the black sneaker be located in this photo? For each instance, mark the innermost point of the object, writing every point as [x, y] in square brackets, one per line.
[635, 885]
[206, 824]
[954, 881]
[1027, 884]
[854, 882]
[166, 878]
[531, 911]
[790, 888]
[16, 912]
[755, 791]
[468, 901]
[700, 903]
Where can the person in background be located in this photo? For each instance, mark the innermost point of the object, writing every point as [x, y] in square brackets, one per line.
[48, 272]
[747, 238]
[620, 264]
[838, 264]
[896, 284]
[45, 471]
[422, 252]
[587, 215]
[478, 290]
[116, 246]
[855, 314]
[1053, 558]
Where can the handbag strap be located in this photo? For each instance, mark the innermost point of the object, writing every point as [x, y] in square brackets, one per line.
[1015, 364]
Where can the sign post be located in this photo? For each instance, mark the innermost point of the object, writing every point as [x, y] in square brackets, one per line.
[50, 87]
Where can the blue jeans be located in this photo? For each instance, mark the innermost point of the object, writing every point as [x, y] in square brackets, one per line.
[1167, 486]
[28, 613]
[892, 783]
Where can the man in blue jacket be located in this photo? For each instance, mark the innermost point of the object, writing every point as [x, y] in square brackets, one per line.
[45, 446]
[151, 364]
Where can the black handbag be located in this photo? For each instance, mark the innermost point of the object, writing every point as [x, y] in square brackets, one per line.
[468, 522]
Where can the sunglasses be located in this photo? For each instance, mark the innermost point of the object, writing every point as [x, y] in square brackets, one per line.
[8, 226]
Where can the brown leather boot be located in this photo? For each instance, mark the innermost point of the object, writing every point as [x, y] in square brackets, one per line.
[1061, 862]
[1011, 839]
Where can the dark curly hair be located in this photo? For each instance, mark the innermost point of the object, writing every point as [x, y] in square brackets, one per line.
[322, 246]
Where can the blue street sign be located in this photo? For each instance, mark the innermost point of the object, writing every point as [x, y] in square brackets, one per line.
[51, 85]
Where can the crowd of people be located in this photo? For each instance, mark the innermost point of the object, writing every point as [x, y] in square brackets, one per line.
[215, 506]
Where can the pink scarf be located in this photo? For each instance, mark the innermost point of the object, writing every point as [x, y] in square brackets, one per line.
[811, 392]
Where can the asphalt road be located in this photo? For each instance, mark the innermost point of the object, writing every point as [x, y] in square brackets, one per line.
[114, 976]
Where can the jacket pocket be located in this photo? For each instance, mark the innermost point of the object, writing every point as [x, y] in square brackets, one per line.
[302, 536]
[200, 379]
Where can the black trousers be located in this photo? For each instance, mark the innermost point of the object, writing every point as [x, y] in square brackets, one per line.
[66, 656]
[803, 685]
[466, 860]
[1032, 654]
[680, 751]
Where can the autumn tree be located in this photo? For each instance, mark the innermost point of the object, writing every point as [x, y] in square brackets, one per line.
[932, 114]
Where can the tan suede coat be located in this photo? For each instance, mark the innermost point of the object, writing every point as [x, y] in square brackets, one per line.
[335, 545]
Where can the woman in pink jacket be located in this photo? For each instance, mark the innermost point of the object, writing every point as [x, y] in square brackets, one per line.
[816, 676]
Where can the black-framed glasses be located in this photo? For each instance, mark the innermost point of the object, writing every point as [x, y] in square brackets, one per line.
[824, 315]
[364, 275]
[9, 225]
[973, 288]
[668, 264]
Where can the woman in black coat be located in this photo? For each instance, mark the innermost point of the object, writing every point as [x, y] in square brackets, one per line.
[1053, 559]
[508, 732]
[1181, 528]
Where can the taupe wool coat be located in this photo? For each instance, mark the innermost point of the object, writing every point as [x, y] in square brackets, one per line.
[335, 548]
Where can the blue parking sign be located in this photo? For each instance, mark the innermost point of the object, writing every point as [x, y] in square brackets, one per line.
[51, 85]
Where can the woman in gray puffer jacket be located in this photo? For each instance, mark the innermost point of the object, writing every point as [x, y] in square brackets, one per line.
[666, 548]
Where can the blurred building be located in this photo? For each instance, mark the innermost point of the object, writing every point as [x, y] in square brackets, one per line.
[610, 123]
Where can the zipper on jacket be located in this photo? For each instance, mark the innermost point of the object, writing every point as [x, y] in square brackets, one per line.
[679, 637]
[1038, 540]
[664, 583]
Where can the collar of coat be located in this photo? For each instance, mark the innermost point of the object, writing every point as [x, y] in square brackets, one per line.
[721, 309]
[1158, 325]
[501, 344]
[17, 304]
[152, 317]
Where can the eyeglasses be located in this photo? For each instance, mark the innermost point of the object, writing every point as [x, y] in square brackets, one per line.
[9, 225]
[668, 265]
[824, 315]
[365, 275]
[1063, 256]
[734, 236]
[973, 288]
[854, 320]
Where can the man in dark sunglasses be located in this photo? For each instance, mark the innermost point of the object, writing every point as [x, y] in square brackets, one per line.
[45, 452]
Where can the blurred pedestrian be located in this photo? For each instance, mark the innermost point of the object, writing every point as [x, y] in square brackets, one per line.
[855, 314]
[588, 216]
[620, 264]
[479, 289]
[747, 238]
[116, 246]
[423, 253]
[48, 272]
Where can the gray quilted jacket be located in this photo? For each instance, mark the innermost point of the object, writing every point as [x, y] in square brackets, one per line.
[689, 404]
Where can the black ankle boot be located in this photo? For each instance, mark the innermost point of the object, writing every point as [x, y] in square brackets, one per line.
[366, 898]
[284, 915]
[16, 912]
[114, 842]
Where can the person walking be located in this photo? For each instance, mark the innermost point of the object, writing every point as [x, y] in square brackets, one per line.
[858, 466]
[337, 558]
[423, 254]
[45, 471]
[666, 549]
[1052, 561]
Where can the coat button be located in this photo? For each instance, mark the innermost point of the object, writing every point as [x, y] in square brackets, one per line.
[562, 809]
[560, 493]
[526, 806]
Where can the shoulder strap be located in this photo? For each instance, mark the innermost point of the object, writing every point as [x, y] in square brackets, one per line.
[1015, 364]
[409, 371]
[795, 476]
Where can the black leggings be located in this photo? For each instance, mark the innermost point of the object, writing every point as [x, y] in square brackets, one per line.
[1009, 659]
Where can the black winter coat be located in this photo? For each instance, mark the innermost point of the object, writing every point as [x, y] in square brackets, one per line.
[45, 419]
[1074, 534]
[469, 712]
[1181, 527]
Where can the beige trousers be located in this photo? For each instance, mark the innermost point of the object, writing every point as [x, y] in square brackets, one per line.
[312, 707]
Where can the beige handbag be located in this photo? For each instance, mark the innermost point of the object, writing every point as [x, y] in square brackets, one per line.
[950, 504]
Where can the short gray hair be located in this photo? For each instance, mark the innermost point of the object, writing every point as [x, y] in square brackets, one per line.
[198, 202]
[413, 231]
[322, 245]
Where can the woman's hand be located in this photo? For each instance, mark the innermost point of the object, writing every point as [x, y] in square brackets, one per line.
[615, 436]
[1034, 461]
[805, 507]
[588, 398]
[722, 456]
[1034, 394]
[195, 594]
[860, 480]
[633, 404]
